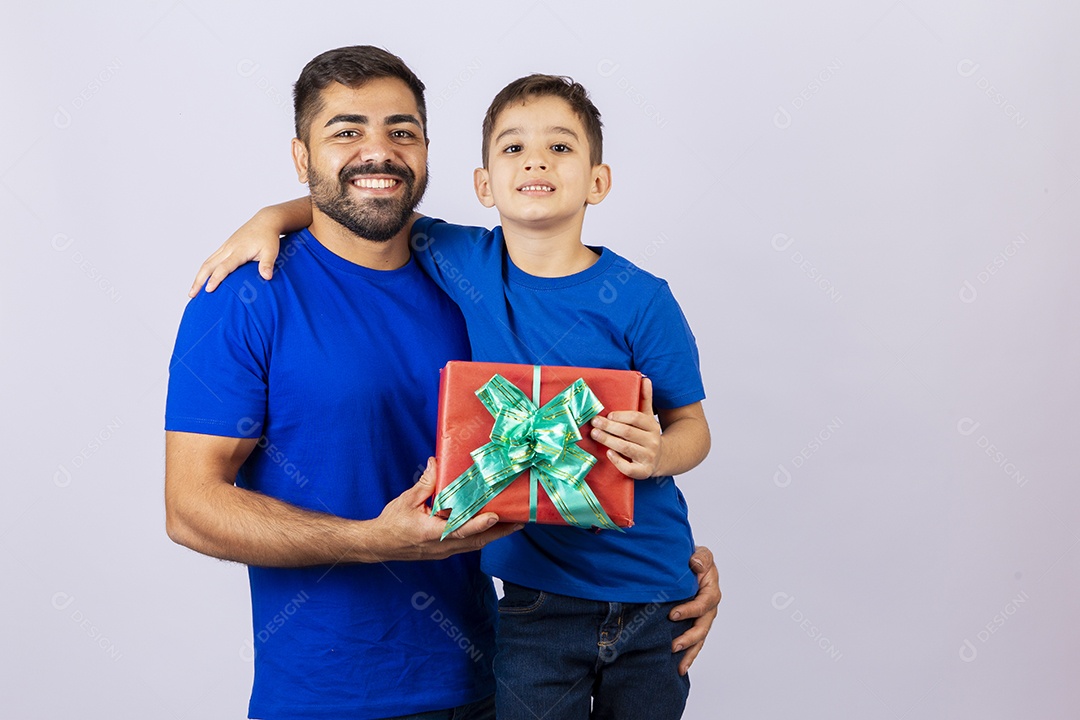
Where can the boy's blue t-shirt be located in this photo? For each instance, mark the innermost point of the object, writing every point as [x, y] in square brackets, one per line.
[335, 368]
[611, 315]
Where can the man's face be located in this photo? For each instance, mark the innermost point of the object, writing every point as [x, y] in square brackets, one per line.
[365, 160]
[539, 173]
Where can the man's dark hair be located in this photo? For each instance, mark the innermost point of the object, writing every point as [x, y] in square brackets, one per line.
[558, 86]
[352, 67]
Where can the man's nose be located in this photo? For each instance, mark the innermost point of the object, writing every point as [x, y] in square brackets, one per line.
[376, 150]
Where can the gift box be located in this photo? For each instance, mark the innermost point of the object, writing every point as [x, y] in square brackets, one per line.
[514, 439]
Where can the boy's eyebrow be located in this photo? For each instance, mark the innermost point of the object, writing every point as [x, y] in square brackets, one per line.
[553, 129]
[363, 119]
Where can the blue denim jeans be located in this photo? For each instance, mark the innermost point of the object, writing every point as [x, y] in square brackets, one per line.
[479, 710]
[564, 658]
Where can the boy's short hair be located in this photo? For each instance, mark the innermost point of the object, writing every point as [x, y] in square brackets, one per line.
[558, 86]
[353, 67]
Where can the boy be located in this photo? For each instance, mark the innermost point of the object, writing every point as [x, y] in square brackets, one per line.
[583, 619]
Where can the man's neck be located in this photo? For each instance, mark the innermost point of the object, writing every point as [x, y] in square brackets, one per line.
[548, 252]
[386, 255]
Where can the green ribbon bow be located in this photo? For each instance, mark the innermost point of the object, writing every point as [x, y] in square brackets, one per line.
[543, 441]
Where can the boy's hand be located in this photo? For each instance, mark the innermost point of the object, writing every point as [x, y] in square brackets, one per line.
[634, 438]
[256, 239]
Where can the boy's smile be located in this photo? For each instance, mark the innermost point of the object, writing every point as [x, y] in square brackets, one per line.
[538, 172]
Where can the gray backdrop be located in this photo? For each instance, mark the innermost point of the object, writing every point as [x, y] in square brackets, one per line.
[865, 209]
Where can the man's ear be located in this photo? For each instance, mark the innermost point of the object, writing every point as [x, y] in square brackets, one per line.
[300, 159]
[601, 184]
[482, 185]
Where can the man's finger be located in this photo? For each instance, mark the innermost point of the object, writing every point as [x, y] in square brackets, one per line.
[646, 397]
[701, 560]
[689, 657]
[475, 526]
[693, 636]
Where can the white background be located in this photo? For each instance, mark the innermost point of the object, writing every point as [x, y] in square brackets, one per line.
[868, 211]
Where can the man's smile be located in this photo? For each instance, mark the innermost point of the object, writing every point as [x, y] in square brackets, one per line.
[377, 185]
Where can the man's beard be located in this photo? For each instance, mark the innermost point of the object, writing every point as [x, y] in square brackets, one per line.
[377, 219]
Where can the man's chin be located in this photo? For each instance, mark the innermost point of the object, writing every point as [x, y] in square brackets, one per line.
[383, 227]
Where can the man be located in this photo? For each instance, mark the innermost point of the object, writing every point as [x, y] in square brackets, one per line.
[316, 395]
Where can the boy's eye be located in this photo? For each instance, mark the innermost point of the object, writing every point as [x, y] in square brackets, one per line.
[512, 149]
[560, 148]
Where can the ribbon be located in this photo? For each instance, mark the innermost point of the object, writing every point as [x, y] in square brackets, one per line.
[524, 437]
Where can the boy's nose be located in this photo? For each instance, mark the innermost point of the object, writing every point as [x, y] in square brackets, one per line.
[532, 164]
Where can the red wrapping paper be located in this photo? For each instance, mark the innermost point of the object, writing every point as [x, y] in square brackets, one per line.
[465, 425]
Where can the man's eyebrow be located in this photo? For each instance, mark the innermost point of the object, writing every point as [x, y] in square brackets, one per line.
[402, 118]
[356, 119]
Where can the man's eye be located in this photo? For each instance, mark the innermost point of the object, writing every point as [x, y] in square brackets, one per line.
[402, 134]
[348, 133]
[560, 148]
[512, 149]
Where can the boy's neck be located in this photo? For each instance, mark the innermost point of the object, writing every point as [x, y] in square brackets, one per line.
[548, 252]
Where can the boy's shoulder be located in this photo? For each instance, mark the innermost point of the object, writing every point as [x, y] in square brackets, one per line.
[427, 231]
[623, 273]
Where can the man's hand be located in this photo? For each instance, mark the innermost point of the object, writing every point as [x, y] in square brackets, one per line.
[634, 438]
[413, 532]
[206, 512]
[702, 607]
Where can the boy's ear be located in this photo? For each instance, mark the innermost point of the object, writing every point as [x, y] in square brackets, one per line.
[601, 184]
[300, 159]
[483, 187]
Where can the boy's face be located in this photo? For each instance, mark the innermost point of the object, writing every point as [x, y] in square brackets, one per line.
[539, 174]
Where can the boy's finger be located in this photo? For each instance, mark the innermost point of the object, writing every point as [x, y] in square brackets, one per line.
[266, 268]
[200, 279]
[216, 277]
[625, 448]
[630, 417]
[646, 397]
[621, 464]
[629, 433]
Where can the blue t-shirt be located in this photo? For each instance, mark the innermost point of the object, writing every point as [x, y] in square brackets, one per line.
[335, 368]
[611, 315]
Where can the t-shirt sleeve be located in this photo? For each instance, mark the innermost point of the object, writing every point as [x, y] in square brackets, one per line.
[664, 350]
[448, 253]
[219, 369]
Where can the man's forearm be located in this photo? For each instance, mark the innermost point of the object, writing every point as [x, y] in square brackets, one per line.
[206, 512]
[236, 524]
